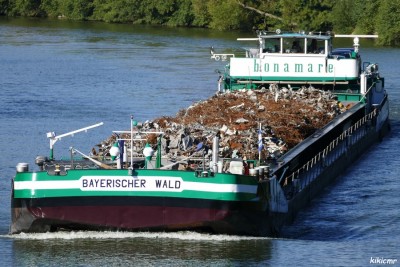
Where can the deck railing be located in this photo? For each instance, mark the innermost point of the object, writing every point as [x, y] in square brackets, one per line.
[303, 176]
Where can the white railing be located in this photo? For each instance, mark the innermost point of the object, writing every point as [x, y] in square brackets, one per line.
[223, 57]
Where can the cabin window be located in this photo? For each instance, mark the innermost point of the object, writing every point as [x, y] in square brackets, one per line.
[293, 45]
[315, 46]
[272, 45]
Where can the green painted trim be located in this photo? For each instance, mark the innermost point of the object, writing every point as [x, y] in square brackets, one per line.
[349, 97]
[189, 194]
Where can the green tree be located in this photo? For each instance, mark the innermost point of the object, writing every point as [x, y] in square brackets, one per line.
[4, 7]
[201, 15]
[117, 10]
[182, 15]
[262, 14]
[76, 9]
[268, 22]
[157, 11]
[312, 15]
[344, 16]
[388, 23]
[226, 15]
[50, 8]
[315, 15]
[28, 8]
[365, 13]
[290, 13]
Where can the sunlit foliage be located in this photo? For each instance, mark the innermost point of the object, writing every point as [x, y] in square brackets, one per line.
[344, 16]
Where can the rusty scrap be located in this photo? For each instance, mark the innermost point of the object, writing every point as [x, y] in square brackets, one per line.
[286, 116]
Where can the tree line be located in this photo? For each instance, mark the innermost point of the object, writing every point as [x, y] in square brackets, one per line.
[343, 16]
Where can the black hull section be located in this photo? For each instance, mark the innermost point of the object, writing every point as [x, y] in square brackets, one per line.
[316, 162]
[333, 171]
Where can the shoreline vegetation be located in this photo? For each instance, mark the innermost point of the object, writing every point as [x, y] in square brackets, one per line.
[343, 16]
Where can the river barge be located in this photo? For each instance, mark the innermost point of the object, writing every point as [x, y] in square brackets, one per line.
[138, 190]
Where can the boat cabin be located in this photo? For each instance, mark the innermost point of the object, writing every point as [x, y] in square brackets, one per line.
[292, 58]
[289, 44]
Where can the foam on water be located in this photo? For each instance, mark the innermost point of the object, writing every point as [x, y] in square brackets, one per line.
[184, 235]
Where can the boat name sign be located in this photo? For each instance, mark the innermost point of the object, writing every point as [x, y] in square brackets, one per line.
[101, 183]
[292, 66]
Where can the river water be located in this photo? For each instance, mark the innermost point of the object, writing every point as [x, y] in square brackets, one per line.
[61, 76]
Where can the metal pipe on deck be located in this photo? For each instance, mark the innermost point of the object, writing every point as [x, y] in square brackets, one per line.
[363, 84]
[215, 151]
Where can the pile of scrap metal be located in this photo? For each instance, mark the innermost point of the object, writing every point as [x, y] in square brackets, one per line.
[284, 116]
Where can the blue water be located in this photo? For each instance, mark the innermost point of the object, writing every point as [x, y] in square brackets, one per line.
[61, 76]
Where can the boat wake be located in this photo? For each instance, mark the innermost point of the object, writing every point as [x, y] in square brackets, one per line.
[185, 235]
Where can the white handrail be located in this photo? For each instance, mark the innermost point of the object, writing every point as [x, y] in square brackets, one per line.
[357, 35]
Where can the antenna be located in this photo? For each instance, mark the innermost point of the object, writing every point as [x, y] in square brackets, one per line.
[54, 138]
